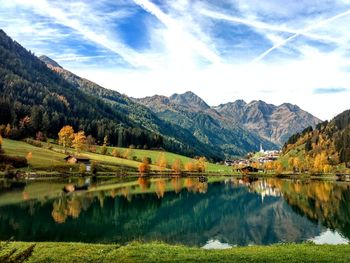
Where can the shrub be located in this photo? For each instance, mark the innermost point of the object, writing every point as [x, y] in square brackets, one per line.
[94, 167]
[82, 168]
[104, 150]
[9, 174]
[116, 153]
[33, 142]
[15, 161]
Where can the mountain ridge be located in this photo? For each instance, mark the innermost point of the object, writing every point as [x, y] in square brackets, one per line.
[273, 123]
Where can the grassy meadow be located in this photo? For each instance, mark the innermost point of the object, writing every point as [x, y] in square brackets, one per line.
[51, 160]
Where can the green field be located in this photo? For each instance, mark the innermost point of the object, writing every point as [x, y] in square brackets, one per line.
[159, 252]
[47, 160]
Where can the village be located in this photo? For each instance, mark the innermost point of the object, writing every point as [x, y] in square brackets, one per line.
[261, 157]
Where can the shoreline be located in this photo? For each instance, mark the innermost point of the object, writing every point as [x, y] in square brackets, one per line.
[59, 175]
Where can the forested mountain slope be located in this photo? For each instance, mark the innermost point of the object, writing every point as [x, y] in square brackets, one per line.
[35, 98]
[327, 144]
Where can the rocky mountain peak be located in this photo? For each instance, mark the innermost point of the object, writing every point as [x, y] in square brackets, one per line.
[50, 62]
[189, 99]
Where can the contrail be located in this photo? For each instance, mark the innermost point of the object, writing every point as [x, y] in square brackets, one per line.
[302, 32]
[258, 24]
[200, 47]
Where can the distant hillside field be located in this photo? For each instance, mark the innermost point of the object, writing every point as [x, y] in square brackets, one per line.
[47, 160]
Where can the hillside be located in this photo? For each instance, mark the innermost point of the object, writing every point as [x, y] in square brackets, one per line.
[274, 123]
[235, 127]
[35, 98]
[325, 146]
[50, 157]
[177, 139]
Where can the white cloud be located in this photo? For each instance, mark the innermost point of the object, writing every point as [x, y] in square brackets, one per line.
[178, 40]
[184, 53]
[79, 17]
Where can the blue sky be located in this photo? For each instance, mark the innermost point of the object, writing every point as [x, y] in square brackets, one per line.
[274, 50]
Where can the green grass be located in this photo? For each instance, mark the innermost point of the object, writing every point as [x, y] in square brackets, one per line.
[41, 157]
[159, 252]
[170, 157]
[45, 159]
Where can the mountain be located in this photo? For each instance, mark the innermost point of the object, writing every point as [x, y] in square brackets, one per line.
[237, 127]
[327, 144]
[177, 139]
[36, 97]
[205, 123]
[274, 123]
[190, 99]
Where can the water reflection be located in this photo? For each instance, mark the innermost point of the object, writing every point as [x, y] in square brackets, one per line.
[228, 211]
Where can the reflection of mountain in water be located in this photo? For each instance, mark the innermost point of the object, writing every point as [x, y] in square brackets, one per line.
[228, 213]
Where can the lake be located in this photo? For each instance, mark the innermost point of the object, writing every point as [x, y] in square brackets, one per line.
[220, 213]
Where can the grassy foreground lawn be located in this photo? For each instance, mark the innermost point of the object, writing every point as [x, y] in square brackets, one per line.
[158, 252]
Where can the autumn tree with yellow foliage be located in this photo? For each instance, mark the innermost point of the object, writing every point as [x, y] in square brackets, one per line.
[29, 156]
[128, 153]
[269, 166]
[144, 167]
[177, 166]
[79, 141]
[201, 164]
[278, 167]
[65, 137]
[162, 162]
[116, 153]
[321, 160]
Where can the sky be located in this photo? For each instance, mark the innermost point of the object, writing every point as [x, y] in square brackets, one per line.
[272, 50]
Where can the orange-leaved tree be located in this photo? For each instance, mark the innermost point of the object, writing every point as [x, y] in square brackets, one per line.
[65, 137]
[162, 162]
[79, 141]
[202, 164]
[29, 156]
[144, 167]
[116, 152]
[177, 166]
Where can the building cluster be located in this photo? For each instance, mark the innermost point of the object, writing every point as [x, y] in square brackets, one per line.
[260, 157]
[268, 156]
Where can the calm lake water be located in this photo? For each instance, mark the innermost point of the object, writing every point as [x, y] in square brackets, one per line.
[223, 212]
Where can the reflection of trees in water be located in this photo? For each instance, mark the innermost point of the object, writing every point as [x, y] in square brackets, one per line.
[228, 212]
[160, 188]
[320, 201]
[71, 206]
[144, 183]
[193, 185]
[231, 215]
[177, 184]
